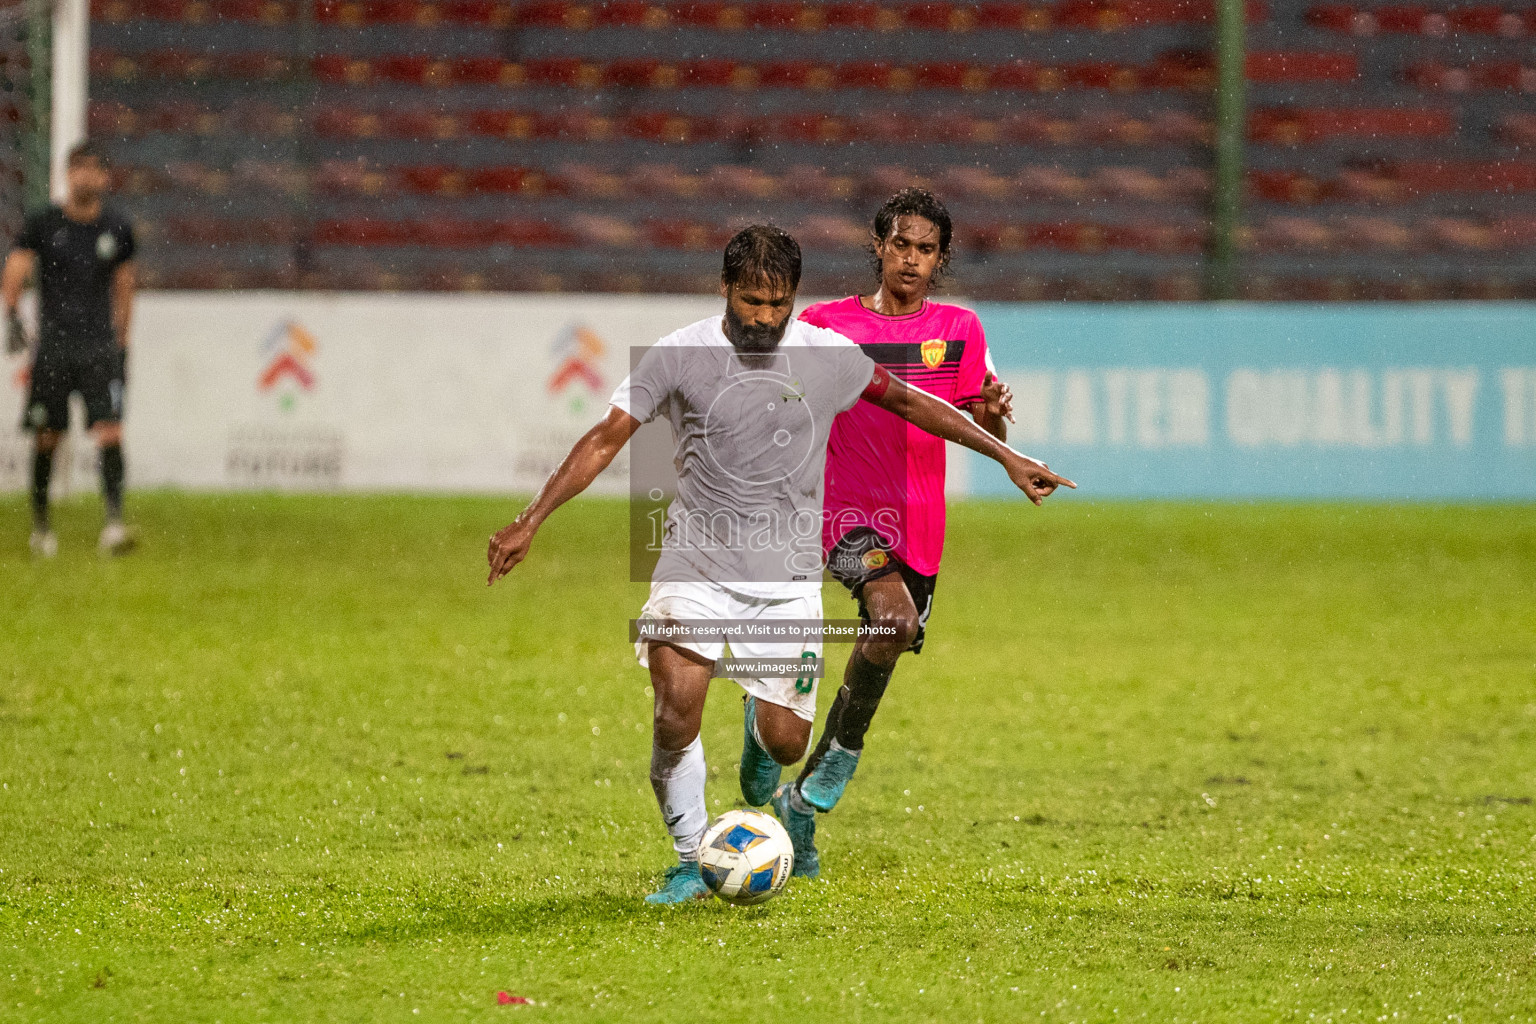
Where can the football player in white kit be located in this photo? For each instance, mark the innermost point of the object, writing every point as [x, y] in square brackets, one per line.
[751, 397]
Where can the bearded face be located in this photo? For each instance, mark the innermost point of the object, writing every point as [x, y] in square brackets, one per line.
[755, 338]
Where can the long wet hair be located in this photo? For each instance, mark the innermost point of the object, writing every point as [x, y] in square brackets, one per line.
[762, 252]
[913, 202]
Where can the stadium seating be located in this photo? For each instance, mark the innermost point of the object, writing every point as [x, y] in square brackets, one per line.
[418, 143]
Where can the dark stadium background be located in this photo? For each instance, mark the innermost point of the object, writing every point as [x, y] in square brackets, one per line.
[505, 145]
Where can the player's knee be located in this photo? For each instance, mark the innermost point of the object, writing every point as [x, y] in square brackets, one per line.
[788, 746]
[47, 440]
[672, 728]
[895, 631]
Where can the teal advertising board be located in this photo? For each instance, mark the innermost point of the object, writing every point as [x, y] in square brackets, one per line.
[1402, 402]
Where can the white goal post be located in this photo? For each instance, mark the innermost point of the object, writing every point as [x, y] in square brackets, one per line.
[70, 85]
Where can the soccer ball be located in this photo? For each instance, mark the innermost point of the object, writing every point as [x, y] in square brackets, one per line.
[746, 857]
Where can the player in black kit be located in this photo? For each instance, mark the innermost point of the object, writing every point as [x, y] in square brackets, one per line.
[82, 255]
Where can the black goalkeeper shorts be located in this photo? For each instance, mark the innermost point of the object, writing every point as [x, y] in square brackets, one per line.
[97, 379]
[862, 555]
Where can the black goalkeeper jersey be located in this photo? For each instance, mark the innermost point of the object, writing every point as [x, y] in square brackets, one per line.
[75, 265]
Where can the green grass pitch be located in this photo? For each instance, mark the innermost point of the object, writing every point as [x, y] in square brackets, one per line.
[293, 761]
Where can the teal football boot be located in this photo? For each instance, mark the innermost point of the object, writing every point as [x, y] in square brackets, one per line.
[824, 786]
[759, 771]
[682, 884]
[802, 833]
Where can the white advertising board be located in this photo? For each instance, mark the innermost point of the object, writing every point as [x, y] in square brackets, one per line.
[361, 391]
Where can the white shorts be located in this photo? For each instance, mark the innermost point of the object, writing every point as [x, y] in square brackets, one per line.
[682, 600]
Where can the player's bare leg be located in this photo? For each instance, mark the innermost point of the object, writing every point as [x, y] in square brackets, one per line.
[116, 539]
[43, 542]
[831, 765]
[680, 681]
[772, 736]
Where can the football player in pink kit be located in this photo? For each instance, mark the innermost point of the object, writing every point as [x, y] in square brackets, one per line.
[884, 508]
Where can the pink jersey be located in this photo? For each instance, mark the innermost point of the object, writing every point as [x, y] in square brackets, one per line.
[882, 472]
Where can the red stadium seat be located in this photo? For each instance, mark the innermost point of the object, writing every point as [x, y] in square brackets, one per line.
[830, 232]
[634, 73]
[1102, 75]
[1301, 66]
[363, 231]
[1417, 20]
[420, 124]
[813, 182]
[530, 233]
[684, 234]
[728, 17]
[631, 14]
[788, 74]
[334, 69]
[108, 117]
[344, 123]
[1441, 176]
[513, 124]
[1293, 127]
[433, 180]
[978, 184]
[352, 177]
[554, 14]
[521, 181]
[1517, 129]
[610, 232]
[738, 182]
[1016, 75]
[940, 17]
[1516, 232]
[449, 232]
[570, 72]
[1285, 187]
[659, 126]
[864, 74]
[774, 15]
[1014, 16]
[1504, 76]
[478, 13]
[859, 15]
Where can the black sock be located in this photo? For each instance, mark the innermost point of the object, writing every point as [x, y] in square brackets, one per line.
[42, 473]
[112, 480]
[827, 732]
[865, 684]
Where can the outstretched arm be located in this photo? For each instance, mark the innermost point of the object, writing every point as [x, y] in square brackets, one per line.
[941, 419]
[589, 457]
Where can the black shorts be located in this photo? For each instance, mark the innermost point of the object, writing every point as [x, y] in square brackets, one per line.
[862, 555]
[97, 379]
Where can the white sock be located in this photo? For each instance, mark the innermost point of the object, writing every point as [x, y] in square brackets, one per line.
[797, 801]
[838, 746]
[677, 776]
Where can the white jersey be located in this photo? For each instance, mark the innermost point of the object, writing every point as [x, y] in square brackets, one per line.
[751, 447]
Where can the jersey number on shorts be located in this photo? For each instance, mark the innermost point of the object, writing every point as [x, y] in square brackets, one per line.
[806, 683]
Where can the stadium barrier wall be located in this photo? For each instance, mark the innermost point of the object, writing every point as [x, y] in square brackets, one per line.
[487, 393]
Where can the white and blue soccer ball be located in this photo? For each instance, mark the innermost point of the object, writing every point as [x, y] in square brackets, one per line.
[746, 857]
